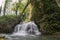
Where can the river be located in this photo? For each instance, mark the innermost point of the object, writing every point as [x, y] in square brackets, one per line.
[41, 37]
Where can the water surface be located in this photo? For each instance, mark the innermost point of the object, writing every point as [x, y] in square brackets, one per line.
[46, 37]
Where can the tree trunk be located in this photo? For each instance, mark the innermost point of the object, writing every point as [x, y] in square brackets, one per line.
[0, 9]
[17, 6]
[58, 2]
[5, 7]
[37, 12]
[31, 7]
[16, 11]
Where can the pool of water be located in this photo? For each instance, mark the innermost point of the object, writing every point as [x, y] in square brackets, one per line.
[46, 37]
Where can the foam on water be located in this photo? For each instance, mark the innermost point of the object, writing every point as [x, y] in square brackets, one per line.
[24, 29]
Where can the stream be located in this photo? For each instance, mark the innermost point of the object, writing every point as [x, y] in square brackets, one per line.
[41, 37]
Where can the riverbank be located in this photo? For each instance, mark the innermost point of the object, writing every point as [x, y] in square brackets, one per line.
[2, 38]
[41, 37]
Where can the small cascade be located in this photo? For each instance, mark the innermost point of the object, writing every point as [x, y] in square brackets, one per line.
[29, 28]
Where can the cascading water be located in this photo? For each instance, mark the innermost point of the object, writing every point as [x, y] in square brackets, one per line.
[24, 28]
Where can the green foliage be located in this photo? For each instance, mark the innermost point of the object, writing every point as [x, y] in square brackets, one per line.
[20, 6]
[53, 22]
[46, 15]
[7, 23]
[52, 12]
[50, 6]
[6, 18]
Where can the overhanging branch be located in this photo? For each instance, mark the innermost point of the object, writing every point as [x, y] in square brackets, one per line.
[24, 8]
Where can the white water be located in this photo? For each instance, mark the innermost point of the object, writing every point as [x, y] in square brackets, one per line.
[24, 28]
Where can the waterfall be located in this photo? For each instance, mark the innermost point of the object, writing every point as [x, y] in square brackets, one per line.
[29, 28]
